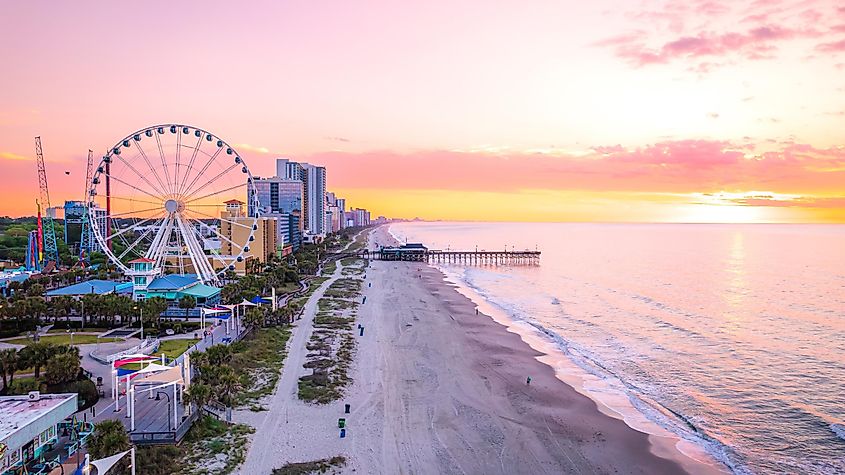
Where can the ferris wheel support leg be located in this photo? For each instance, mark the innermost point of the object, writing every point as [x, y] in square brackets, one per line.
[195, 251]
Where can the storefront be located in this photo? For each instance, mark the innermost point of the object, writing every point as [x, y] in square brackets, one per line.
[29, 427]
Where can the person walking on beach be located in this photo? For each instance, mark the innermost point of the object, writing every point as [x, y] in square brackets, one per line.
[528, 381]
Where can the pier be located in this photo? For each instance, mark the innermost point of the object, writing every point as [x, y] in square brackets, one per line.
[417, 253]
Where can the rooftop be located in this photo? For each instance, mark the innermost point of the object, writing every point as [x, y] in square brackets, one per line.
[173, 282]
[201, 290]
[19, 412]
[94, 286]
[142, 260]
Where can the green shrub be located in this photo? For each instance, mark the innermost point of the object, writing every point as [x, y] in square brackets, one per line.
[85, 389]
[62, 368]
[157, 460]
[317, 466]
[22, 386]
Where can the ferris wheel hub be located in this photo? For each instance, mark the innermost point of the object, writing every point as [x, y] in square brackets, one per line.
[172, 206]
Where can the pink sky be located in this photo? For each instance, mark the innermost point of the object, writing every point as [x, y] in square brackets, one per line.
[609, 110]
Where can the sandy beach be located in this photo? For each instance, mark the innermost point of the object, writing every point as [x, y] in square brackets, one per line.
[440, 388]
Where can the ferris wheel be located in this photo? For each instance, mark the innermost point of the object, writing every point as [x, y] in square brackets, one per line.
[174, 195]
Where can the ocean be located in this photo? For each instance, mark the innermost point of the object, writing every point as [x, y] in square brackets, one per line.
[731, 337]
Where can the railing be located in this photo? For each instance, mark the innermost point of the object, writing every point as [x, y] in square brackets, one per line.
[153, 438]
[148, 346]
[165, 437]
[186, 424]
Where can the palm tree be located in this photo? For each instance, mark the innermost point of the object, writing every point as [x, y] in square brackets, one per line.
[154, 307]
[35, 290]
[8, 365]
[219, 355]
[37, 307]
[187, 302]
[199, 394]
[60, 306]
[62, 367]
[228, 384]
[35, 356]
[254, 316]
[109, 438]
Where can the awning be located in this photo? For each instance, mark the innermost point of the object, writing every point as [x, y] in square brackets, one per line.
[124, 360]
[151, 368]
[172, 375]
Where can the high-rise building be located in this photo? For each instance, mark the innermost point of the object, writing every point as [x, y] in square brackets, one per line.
[358, 217]
[288, 170]
[314, 210]
[235, 228]
[290, 230]
[277, 195]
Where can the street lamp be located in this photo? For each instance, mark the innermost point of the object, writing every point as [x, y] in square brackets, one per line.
[136, 307]
[158, 398]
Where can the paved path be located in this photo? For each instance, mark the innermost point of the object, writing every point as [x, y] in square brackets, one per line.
[268, 430]
[150, 415]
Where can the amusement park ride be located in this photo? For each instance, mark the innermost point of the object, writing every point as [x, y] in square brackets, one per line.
[42, 252]
[159, 194]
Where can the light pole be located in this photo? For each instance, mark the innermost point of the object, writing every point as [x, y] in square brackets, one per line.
[158, 398]
[141, 308]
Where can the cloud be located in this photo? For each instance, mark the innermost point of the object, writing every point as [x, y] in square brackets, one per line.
[669, 36]
[757, 43]
[337, 139]
[680, 166]
[251, 148]
[834, 47]
[796, 202]
[13, 156]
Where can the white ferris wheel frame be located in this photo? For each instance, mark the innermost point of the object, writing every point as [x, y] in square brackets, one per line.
[171, 212]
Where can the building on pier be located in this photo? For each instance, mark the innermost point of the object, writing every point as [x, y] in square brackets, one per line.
[406, 252]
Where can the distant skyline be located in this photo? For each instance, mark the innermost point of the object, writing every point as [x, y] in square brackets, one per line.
[647, 111]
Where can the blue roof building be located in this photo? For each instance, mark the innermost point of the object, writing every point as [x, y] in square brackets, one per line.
[173, 287]
[94, 286]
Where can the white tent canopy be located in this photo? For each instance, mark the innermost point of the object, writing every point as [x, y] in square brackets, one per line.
[103, 465]
[214, 311]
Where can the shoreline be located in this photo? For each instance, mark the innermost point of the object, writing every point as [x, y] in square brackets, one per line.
[691, 455]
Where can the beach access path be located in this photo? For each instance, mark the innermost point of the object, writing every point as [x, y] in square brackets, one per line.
[288, 422]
